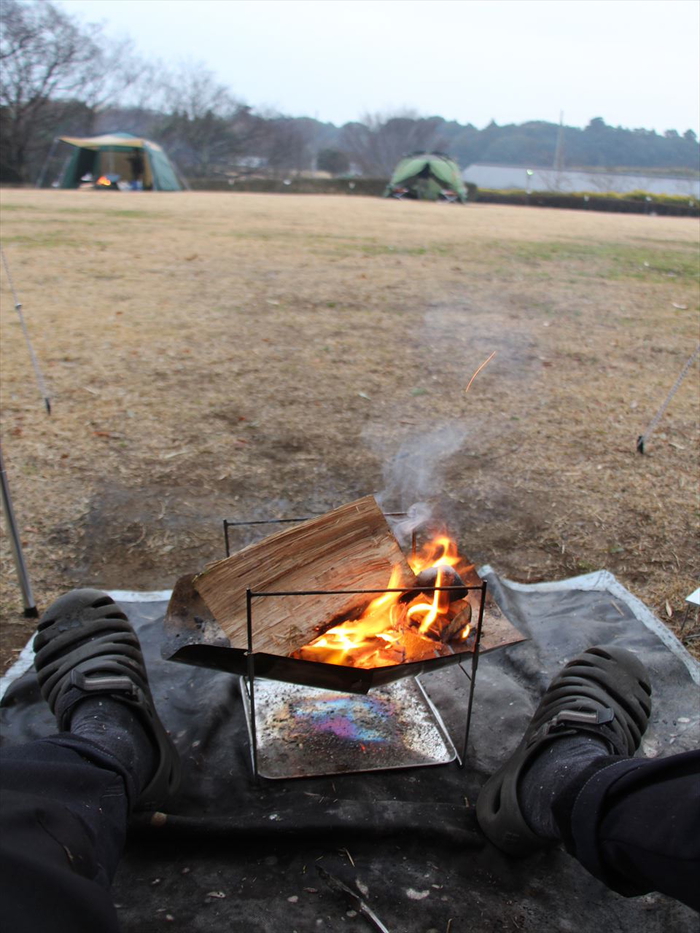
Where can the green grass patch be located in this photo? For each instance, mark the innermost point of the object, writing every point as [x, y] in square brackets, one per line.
[666, 243]
[341, 245]
[56, 221]
[613, 261]
[364, 246]
[49, 240]
[263, 235]
[131, 214]
[101, 213]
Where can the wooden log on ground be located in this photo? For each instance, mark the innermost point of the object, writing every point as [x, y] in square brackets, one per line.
[350, 548]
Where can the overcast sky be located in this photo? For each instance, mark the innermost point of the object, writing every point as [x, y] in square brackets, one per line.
[633, 62]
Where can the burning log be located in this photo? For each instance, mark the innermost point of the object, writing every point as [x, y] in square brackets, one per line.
[403, 625]
[350, 548]
[458, 627]
[427, 580]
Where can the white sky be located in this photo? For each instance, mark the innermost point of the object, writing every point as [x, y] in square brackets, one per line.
[633, 62]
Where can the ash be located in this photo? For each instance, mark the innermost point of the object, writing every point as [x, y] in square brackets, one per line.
[305, 731]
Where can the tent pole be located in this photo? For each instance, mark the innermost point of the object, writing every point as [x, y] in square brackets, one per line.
[30, 610]
[64, 170]
[179, 175]
[40, 179]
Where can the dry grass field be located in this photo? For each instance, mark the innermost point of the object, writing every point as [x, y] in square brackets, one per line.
[251, 356]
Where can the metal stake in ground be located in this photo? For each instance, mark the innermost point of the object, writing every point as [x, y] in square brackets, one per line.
[642, 439]
[30, 610]
[18, 308]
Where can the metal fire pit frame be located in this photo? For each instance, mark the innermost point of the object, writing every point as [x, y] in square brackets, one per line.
[290, 521]
[209, 652]
[415, 667]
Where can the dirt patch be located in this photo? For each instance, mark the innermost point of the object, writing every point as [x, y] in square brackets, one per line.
[245, 357]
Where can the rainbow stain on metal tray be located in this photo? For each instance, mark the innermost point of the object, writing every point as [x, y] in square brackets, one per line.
[362, 719]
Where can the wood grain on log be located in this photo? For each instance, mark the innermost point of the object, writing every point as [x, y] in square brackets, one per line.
[349, 548]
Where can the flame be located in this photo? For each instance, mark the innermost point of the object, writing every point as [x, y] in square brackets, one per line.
[104, 182]
[395, 628]
[431, 611]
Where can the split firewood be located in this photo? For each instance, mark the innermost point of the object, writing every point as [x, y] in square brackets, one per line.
[350, 548]
[450, 627]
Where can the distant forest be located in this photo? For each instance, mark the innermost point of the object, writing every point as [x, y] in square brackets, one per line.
[61, 77]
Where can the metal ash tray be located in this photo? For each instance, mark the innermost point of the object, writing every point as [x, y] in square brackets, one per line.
[303, 731]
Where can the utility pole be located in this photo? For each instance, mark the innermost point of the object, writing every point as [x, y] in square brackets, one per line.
[559, 150]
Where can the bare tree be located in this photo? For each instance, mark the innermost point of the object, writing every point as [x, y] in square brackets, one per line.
[49, 63]
[289, 144]
[206, 127]
[604, 181]
[378, 141]
[554, 180]
[192, 90]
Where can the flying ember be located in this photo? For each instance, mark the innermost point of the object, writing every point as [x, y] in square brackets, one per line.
[432, 620]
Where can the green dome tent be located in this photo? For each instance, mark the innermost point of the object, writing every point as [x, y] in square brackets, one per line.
[118, 156]
[427, 176]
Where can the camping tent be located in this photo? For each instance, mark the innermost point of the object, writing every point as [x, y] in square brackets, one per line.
[427, 176]
[115, 154]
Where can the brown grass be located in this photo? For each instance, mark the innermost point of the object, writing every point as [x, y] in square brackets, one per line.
[250, 356]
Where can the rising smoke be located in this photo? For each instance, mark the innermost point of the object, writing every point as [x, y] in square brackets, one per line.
[413, 477]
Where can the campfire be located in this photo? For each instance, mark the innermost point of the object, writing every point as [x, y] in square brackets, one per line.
[334, 602]
[399, 627]
[107, 182]
[332, 607]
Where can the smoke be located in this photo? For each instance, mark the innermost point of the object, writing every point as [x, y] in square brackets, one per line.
[413, 476]
[417, 515]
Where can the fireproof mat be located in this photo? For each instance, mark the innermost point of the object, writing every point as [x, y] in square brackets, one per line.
[232, 855]
[309, 732]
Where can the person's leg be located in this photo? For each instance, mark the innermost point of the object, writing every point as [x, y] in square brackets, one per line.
[599, 704]
[63, 815]
[633, 823]
[66, 799]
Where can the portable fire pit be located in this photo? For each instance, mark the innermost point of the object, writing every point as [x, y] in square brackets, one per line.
[274, 611]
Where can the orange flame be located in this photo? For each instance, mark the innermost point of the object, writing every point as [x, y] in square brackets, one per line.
[401, 627]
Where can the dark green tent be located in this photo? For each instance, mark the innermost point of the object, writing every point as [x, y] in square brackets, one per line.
[427, 176]
[115, 156]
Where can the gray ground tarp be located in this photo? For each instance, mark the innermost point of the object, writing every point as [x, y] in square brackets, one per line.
[239, 857]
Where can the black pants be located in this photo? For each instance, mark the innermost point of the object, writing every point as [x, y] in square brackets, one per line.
[64, 807]
[633, 823]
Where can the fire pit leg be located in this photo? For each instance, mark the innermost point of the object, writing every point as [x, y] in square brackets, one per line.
[251, 685]
[472, 679]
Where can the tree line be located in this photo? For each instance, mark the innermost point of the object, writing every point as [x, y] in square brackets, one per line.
[59, 76]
